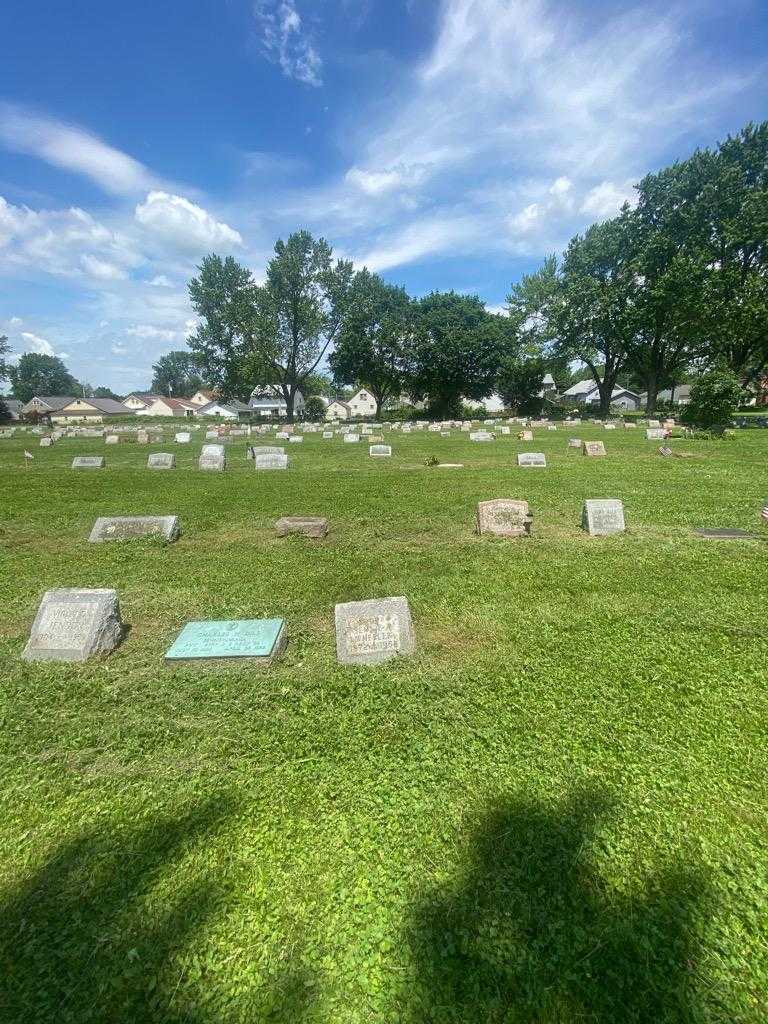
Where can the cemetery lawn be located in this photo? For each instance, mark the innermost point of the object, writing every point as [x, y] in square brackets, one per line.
[555, 812]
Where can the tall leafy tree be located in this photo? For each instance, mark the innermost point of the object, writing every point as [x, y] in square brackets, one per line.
[520, 382]
[276, 333]
[594, 310]
[455, 351]
[224, 297]
[36, 374]
[176, 373]
[5, 365]
[372, 343]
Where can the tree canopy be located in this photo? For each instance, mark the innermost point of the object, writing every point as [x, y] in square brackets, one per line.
[176, 374]
[37, 374]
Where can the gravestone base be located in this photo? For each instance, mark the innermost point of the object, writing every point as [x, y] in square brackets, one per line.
[725, 534]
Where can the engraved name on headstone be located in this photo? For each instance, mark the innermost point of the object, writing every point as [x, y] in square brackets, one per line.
[212, 458]
[88, 462]
[602, 516]
[504, 517]
[74, 625]
[126, 527]
[370, 632]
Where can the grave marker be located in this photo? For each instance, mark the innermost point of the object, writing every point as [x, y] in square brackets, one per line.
[258, 641]
[183, 437]
[307, 526]
[370, 632]
[504, 517]
[161, 460]
[125, 527]
[380, 451]
[89, 462]
[270, 462]
[602, 517]
[593, 448]
[212, 458]
[74, 625]
[655, 434]
[537, 459]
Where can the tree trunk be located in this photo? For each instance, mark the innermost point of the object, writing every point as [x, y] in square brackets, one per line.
[652, 383]
[290, 399]
[606, 392]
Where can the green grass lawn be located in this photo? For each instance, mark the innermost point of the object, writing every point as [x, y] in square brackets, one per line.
[555, 812]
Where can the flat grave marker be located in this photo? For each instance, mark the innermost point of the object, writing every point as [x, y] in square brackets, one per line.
[725, 534]
[574, 442]
[275, 461]
[258, 641]
[89, 462]
[183, 437]
[370, 632]
[126, 527]
[380, 451]
[308, 526]
[74, 625]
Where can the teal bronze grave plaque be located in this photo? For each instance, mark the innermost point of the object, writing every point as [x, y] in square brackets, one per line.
[256, 640]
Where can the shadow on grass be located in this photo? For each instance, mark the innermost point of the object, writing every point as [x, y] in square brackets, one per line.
[531, 933]
[87, 939]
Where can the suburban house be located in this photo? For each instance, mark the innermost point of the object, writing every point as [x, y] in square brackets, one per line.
[338, 410]
[268, 401]
[680, 396]
[586, 391]
[138, 401]
[232, 410]
[203, 397]
[169, 407]
[362, 404]
[44, 405]
[93, 410]
[14, 407]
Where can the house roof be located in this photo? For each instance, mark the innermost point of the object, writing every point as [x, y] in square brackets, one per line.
[338, 401]
[104, 405]
[235, 405]
[588, 387]
[53, 401]
[178, 403]
[210, 395]
[143, 396]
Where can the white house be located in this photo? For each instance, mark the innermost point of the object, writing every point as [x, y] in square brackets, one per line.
[338, 410]
[362, 404]
[94, 410]
[268, 401]
[586, 391]
[233, 410]
[137, 401]
[680, 396]
[44, 405]
[169, 407]
[203, 397]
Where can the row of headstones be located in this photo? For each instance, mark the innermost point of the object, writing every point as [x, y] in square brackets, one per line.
[213, 457]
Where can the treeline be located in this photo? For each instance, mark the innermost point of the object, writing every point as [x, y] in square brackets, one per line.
[676, 284]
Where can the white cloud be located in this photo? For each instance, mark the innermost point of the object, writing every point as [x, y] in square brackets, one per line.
[183, 225]
[149, 331]
[15, 321]
[102, 269]
[160, 281]
[34, 343]
[73, 149]
[606, 199]
[285, 41]
[419, 239]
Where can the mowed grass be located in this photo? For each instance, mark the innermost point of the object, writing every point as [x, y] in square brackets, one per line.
[555, 812]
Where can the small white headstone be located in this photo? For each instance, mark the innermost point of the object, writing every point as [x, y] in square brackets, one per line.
[532, 459]
[74, 625]
[380, 451]
[370, 632]
[603, 516]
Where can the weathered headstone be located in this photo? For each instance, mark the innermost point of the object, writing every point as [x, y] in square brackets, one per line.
[351, 438]
[212, 458]
[142, 437]
[593, 448]
[526, 435]
[282, 435]
[264, 449]
[481, 435]
[574, 442]
[552, 426]
[112, 439]
[74, 625]
[379, 451]
[610, 426]
[655, 434]
[161, 460]
[602, 516]
[46, 442]
[308, 526]
[183, 437]
[257, 641]
[327, 435]
[126, 527]
[295, 439]
[370, 632]
[504, 517]
[88, 462]
[665, 451]
[532, 459]
[270, 461]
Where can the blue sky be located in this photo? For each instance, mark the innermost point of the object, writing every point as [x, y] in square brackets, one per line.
[443, 143]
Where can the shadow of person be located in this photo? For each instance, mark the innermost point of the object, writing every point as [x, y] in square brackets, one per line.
[100, 931]
[532, 932]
